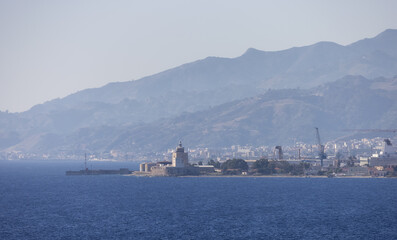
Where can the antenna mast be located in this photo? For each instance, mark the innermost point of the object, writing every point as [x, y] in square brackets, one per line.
[85, 161]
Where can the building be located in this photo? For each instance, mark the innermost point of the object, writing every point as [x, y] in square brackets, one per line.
[363, 161]
[178, 167]
[146, 167]
[180, 157]
[388, 149]
[356, 171]
[386, 157]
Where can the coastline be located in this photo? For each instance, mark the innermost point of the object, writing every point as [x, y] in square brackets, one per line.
[253, 176]
[279, 176]
[250, 176]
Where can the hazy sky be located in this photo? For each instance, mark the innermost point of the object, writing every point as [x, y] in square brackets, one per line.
[49, 49]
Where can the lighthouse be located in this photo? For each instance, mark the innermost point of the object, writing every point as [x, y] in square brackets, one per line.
[180, 157]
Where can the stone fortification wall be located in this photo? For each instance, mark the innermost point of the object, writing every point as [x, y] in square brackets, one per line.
[175, 171]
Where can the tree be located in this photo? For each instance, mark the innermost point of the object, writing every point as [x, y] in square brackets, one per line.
[284, 167]
[299, 169]
[235, 164]
[263, 166]
[216, 164]
[261, 163]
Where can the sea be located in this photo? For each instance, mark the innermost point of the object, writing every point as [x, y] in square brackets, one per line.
[38, 201]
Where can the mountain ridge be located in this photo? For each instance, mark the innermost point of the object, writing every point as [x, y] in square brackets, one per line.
[389, 34]
[277, 117]
[202, 84]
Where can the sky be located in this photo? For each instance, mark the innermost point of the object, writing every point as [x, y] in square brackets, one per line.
[50, 48]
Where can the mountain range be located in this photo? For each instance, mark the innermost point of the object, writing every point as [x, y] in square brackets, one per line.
[258, 98]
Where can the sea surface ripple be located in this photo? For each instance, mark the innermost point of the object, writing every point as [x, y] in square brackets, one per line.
[39, 202]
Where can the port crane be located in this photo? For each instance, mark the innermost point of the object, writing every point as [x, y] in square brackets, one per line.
[321, 150]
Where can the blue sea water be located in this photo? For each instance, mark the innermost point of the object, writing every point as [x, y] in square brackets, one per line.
[37, 201]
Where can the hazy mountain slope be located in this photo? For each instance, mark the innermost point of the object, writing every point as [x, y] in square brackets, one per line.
[276, 117]
[384, 42]
[220, 80]
[324, 60]
[199, 85]
[280, 116]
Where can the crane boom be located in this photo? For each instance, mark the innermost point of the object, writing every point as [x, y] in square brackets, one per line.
[320, 147]
[318, 137]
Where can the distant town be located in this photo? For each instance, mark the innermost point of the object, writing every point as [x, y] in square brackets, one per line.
[347, 160]
[367, 157]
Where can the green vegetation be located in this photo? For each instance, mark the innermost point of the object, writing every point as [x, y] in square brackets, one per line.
[263, 166]
[234, 166]
[266, 167]
[216, 164]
